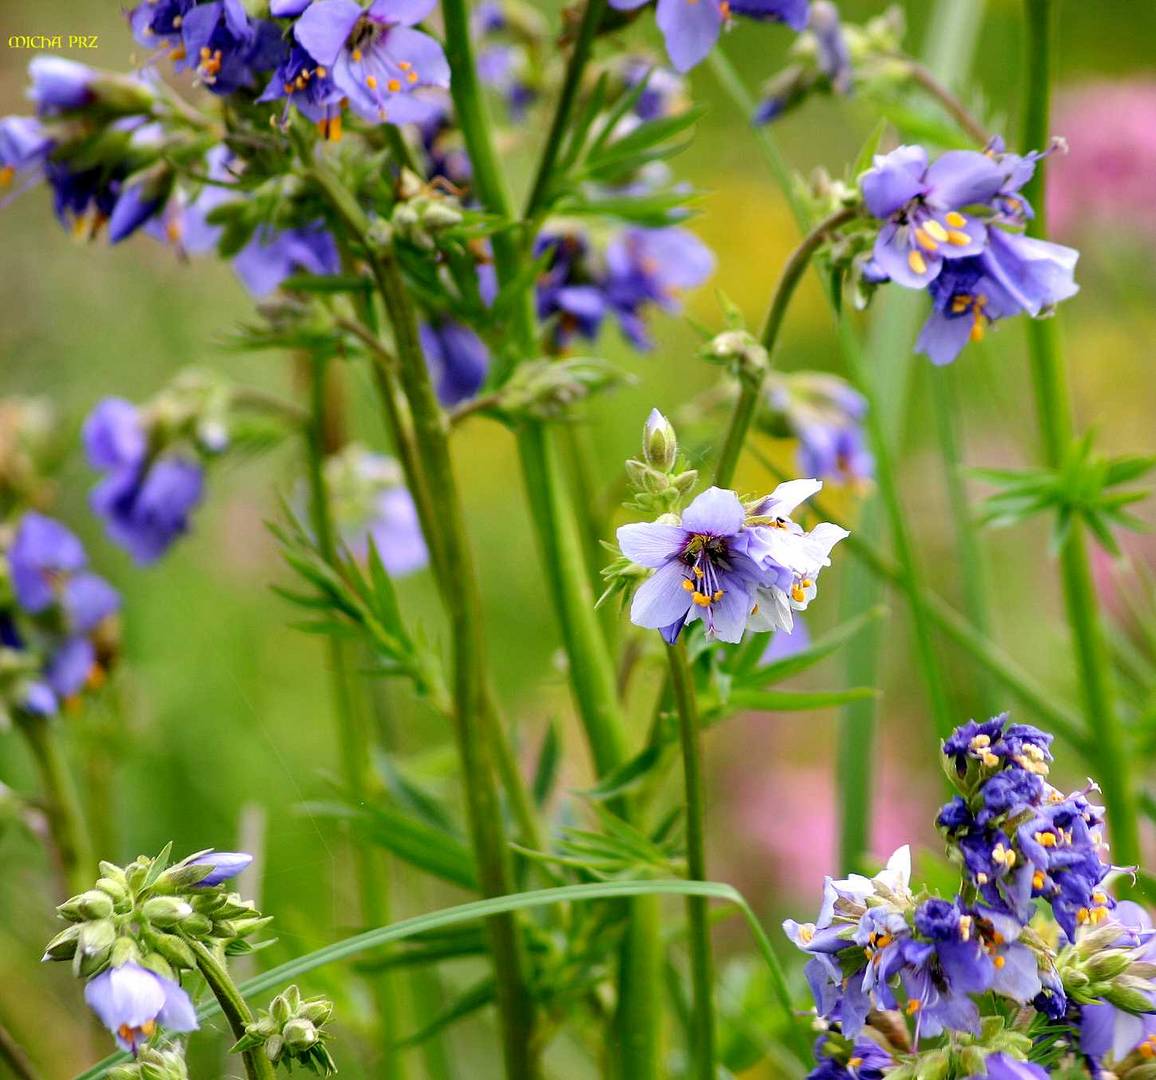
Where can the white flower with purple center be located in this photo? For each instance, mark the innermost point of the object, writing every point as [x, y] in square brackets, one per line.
[373, 55]
[925, 208]
[132, 1002]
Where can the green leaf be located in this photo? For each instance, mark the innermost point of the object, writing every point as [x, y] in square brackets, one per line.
[467, 1003]
[159, 865]
[547, 769]
[798, 701]
[481, 909]
[866, 156]
[624, 777]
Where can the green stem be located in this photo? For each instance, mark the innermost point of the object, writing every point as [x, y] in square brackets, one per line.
[702, 980]
[472, 715]
[61, 802]
[356, 740]
[234, 1008]
[926, 81]
[1057, 430]
[567, 98]
[591, 668]
[747, 404]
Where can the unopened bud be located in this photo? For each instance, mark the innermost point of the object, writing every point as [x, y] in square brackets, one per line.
[1128, 995]
[1109, 964]
[166, 911]
[93, 904]
[299, 1034]
[63, 946]
[659, 442]
[741, 352]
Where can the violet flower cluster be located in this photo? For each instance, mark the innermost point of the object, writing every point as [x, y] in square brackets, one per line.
[57, 632]
[907, 983]
[954, 227]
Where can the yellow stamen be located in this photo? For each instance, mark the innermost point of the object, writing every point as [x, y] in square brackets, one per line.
[393, 86]
[718, 595]
[688, 584]
[936, 230]
[955, 219]
[1038, 879]
[978, 330]
[321, 73]
[1046, 839]
[356, 54]
[925, 241]
[958, 239]
[371, 81]
[178, 53]
[411, 76]
[6, 175]
[797, 594]
[917, 262]
[913, 1006]
[998, 961]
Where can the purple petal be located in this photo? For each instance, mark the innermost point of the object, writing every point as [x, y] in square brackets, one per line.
[690, 29]
[895, 180]
[963, 177]
[716, 512]
[287, 8]
[70, 667]
[401, 12]
[126, 996]
[113, 435]
[942, 339]
[324, 28]
[662, 599]
[89, 600]
[225, 864]
[895, 254]
[651, 543]
[177, 1013]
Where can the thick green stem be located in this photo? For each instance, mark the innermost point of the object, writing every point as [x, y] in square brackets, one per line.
[61, 802]
[1057, 431]
[559, 538]
[234, 1008]
[748, 401]
[702, 979]
[324, 438]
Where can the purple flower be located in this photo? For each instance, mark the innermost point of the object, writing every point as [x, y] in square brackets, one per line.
[308, 86]
[457, 357]
[43, 555]
[924, 207]
[692, 27]
[702, 569]
[826, 415]
[664, 93]
[272, 255]
[132, 1001]
[24, 146]
[1104, 1028]
[157, 23]
[145, 501]
[59, 85]
[568, 288]
[867, 1061]
[138, 203]
[1003, 1067]
[375, 58]
[183, 223]
[225, 864]
[225, 47]
[652, 266]
[834, 54]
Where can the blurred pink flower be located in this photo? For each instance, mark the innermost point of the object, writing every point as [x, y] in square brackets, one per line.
[1106, 179]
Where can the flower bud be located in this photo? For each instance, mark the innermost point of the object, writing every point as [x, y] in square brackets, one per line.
[166, 911]
[659, 442]
[741, 352]
[174, 949]
[1107, 965]
[1126, 994]
[63, 946]
[93, 946]
[274, 1047]
[112, 887]
[299, 1034]
[93, 904]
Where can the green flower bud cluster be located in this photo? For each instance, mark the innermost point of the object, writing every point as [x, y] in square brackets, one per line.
[147, 913]
[1103, 966]
[154, 1063]
[292, 1030]
[656, 484]
[740, 351]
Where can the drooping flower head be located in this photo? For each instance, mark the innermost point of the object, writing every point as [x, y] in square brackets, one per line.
[145, 500]
[226, 865]
[24, 146]
[652, 266]
[458, 358]
[272, 255]
[692, 27]
[226, 48]
[133, 1002]
[570, 290]
[374, 56]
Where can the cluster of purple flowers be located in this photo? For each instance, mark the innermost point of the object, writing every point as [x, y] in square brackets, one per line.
[642, 268]
[954, 227]
[1019, 838]
[732, 566]
[59, 613]
[149, 489]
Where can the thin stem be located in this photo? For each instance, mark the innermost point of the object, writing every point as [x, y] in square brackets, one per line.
[747, 404]
[324, 437]
[61, 802]
[1057, 429]
[973, 574]
[234, 1008]
[926, 81]
[567, 98]
[13, 1055]
[702, 1019]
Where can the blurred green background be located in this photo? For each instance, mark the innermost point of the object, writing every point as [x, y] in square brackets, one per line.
[218, 724]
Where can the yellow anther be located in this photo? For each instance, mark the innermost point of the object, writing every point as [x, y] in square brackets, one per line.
[321, 72]
[998, 961]
[1099, 897]
[1146, 1050]
[980, 741]
[958, 239]
[371, 81]
[978, 330]
[1046, 839]
[797, 593]
[178, 53]
[405, 65]
[936, 230]
[356, 55]
[6, 175]
[393, 86]
[913, 1006]
[965, 922]
[1083, 915]
[989, 759]
[698, 571]
[1038, 879]
[981, 878]
[717, 595]
[917, 262]
[955, 219]
[807, 933]
[206, 52]
[411, 76]
[688, 584]
[177, 20]
[925, 241]
[854, 1063]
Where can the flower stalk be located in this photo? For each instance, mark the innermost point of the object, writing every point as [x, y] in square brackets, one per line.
[702, 1050]
[1057, 431]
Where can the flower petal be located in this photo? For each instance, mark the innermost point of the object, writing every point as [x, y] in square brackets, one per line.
[963, 177]
[895, 179]
[324, 28]
[651, 543]
[690, 29]
[661, 600]
[716, 512]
